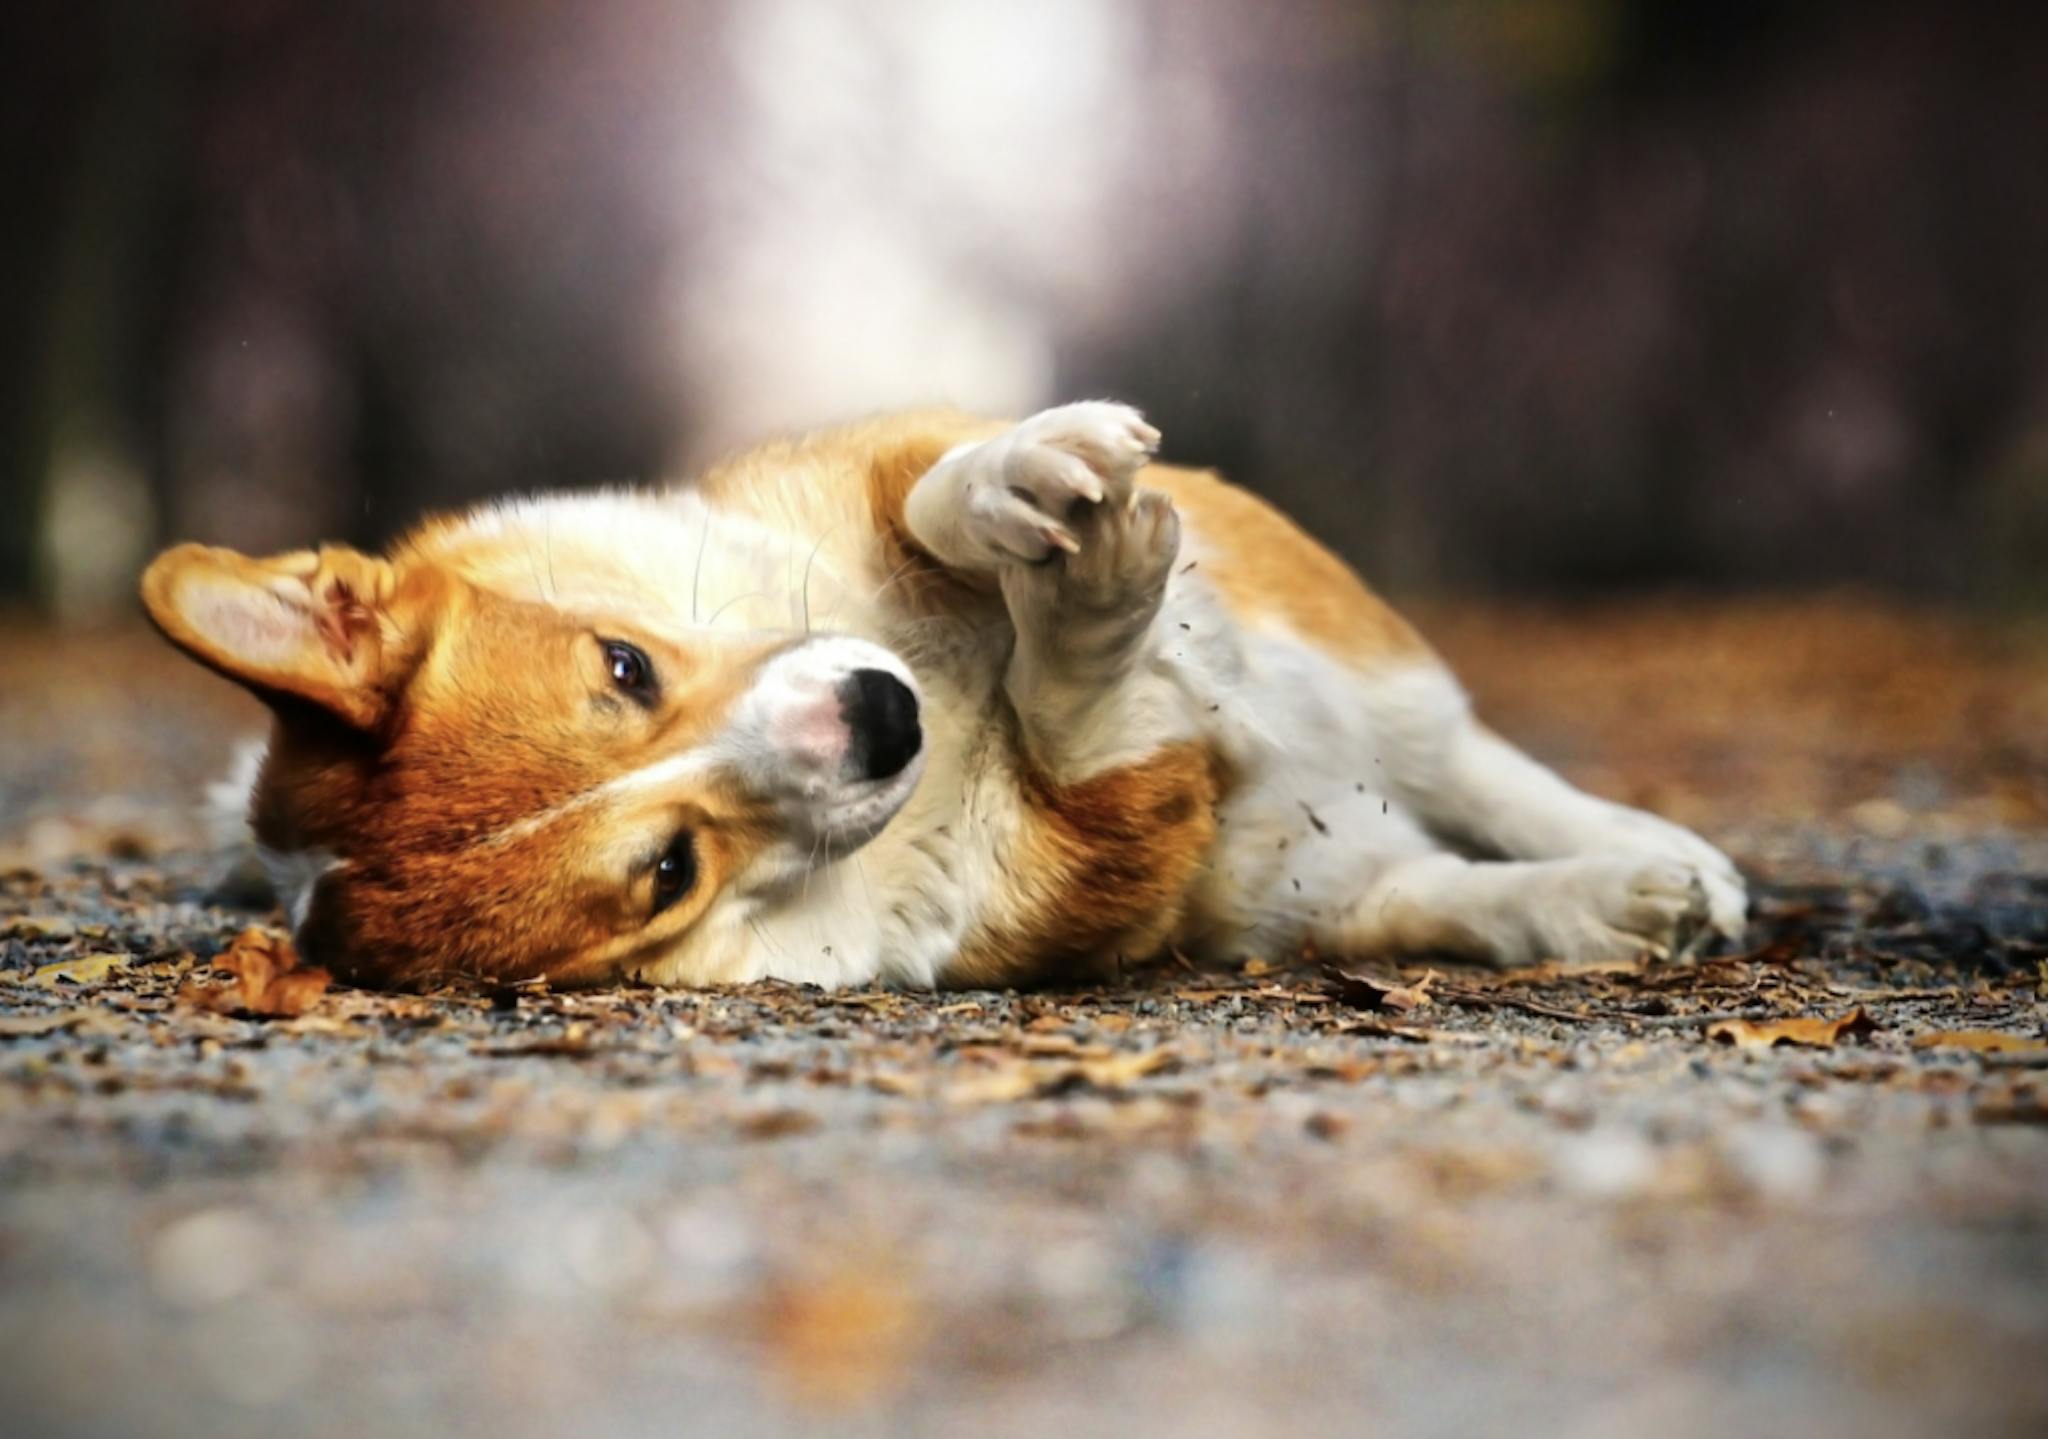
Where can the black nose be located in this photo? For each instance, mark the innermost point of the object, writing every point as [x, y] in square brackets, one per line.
[881, 716]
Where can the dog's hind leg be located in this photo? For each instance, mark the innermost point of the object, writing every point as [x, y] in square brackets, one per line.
[1474, 789]
[1594, 908]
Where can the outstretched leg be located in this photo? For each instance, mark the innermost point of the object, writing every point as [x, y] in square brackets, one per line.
[1497, 796]
[1474, 789]
[1597, 908]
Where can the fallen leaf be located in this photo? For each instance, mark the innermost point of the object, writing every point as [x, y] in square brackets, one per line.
[1982, 1041]
[1389, 996]
[1119, 1070]
[1001, 1087]
[1027, 1079]
[574, 1042]
[891, 1081]
[83, 969]
[777, 1124]
[269, 982]
[1806, 1033]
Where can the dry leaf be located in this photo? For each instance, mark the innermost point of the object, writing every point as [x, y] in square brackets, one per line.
[1119, 1070]
[1806, 1033]
[1365, 991]
[269, 982]
[891, 1081]
[1027, 1080]
[1002, 1087]
[574, 1042]
[83, 969]
[1982, 1041]
[777, 1123]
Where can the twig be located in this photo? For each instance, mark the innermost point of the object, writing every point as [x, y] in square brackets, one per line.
[1503, 1001]
[1584, 1016]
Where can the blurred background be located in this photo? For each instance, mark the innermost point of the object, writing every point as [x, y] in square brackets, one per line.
[1566, 296]
[1681, 365]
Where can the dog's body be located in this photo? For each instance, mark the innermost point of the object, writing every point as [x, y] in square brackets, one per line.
[928, 700]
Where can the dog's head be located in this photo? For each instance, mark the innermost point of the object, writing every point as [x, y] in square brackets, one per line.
[460, 783]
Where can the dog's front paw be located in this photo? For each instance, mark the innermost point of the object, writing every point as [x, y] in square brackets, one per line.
[1127, 552]
[1027, 490]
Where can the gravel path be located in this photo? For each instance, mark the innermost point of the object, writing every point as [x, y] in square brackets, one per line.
[1277, 1199]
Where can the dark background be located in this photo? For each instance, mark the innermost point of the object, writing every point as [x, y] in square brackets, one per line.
[1566, 296]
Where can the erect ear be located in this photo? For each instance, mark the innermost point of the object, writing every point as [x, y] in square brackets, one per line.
[320, 626]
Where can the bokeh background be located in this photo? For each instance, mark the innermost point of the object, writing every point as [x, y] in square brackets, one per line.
[1565, 296]
[1681, 365]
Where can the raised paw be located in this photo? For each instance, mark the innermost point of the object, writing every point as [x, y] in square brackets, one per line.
[1126, 552]
[1093, 608]
[1030, 488]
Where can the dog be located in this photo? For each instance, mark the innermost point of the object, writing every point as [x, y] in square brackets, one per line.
[926, 700]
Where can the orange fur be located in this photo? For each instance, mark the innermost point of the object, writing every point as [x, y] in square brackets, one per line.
[441, 714]
[1268, 569]
[1103, 873]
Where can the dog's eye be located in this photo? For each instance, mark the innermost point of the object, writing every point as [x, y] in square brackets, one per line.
[675, 872]
[629, 668]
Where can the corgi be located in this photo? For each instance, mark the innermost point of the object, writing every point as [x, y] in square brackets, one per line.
[927, 701]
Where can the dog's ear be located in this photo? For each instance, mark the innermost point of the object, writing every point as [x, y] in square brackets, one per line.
[323, 626]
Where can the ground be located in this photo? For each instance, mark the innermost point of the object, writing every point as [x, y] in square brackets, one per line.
[1275, 1199]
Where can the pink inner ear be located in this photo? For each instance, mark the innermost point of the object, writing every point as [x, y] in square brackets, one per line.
[252, 626]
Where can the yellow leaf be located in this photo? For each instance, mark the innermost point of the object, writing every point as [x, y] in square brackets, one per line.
[1806, 1033]
[84, 969]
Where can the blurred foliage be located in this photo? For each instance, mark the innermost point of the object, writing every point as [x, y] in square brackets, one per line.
[1556, 294]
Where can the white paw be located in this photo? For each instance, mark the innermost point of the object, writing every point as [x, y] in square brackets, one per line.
[1030, 486]
[1624, 907]
[1647, 837]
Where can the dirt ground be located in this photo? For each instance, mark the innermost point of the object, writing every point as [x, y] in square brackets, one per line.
[1277, 1199]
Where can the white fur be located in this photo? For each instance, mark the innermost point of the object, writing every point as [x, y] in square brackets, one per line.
[1361, 798]
[296, 875]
